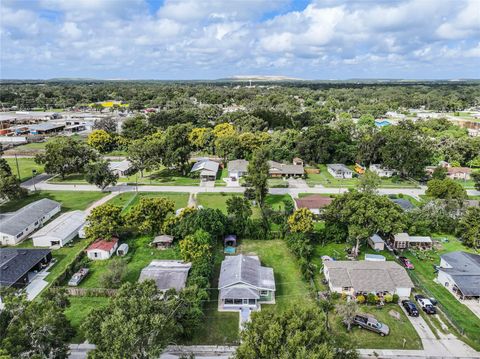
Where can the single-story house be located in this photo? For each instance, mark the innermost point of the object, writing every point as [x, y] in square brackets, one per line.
[363, 277]
[208, 169]
[244, 283]
[102, 249]
[278, 169]
[163, 241]
[121, 168]
[167, 274]
[376, 242]
[16, 226]
[405, 204]
[381, 171]
[315, 203]
[17, 263]
[404, 240]
[460, 273]
[459, 173]
[60, 231]
[237, 169]
[339, 170]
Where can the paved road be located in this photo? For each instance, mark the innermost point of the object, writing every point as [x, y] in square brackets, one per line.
[37, 179]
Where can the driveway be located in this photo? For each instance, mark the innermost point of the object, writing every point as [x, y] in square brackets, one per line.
[297, 183]
[36, 285]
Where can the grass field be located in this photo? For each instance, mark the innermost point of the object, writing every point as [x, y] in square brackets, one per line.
[140, 254]
[129, 199]
[25, 167]
[70, 200]
[78, 310]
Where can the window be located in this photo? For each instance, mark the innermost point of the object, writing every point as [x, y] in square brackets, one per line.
[20, 234]
[228, 301]
[237, 301]
[95, 254]
[346, 289]
[264, 292]
[251, 301]
[36, 222]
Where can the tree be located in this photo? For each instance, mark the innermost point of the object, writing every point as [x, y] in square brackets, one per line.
[114, 274]
[347, 311]
[101, 140]
[468, 228]
[137, 323]
[439, 173]
[476, 180]
[149, 214]
[239, 211]
[200, 138]
[196, 246]
[108, 124]
[362, 214]
[366, 121]
[212, 221]
[139, 155]
[445, 189]
[301, 221]
[105, 222]
[36, 329]
[136, 127]
[369, 182]
[10, 187]
[297, 332]
[177, 146]
[100, 174]
[66, 155]
[257, 178]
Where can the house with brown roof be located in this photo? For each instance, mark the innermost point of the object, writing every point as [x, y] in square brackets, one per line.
[278, 169]
[363, 277]
[102, 249]
[315, 203]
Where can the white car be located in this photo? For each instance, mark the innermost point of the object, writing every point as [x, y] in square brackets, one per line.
[426, 304]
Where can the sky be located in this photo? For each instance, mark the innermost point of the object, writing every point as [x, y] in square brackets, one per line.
[211, 39]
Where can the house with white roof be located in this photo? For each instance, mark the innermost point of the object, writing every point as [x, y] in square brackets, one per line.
[381, 170]
[208, 169]
[237, 169]
[60, 231]
[16, 226]
[338, 170]
[121, 168]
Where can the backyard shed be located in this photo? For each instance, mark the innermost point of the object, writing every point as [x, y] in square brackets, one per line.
[122, 249]
[376, 242]
[102, 249]
[163, 241]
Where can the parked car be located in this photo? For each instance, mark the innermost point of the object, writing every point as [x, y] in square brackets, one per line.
[425, 304]
[410, 307]
[434, 301]
[78, 277]
[369, 322]
[406, 263]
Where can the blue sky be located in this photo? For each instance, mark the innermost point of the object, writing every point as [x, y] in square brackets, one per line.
[209, 39]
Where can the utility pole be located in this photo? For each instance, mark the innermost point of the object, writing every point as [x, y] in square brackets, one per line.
[18, 169]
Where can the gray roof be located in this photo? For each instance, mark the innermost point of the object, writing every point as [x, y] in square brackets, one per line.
[45, 127]
[405, 237]
[368, 276]
[403, 203]
[465, 271]
[239, 292]
[206, 167]
[376, 239]
[124, 165]
[167, 274]
[15, 262]
[63, 226]
[247, 270]
[339, 167]
[15, 222]
[285, 169]
[237, 166]
[164, 238]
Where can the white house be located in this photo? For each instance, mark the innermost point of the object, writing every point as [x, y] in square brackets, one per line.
[339, 170]
[121, 168]
[102, 249]
[381, 171]
[244, 284]
[460, 273]
[16, 226]
[237, 169]
[363, 277]
[208, 169]
[60, 231]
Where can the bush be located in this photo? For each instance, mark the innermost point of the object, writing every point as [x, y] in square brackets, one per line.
[395, 298]
[372, 298]
[388, 298]
[360, 299]
[115, 273]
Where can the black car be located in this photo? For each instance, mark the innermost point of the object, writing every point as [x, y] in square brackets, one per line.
[410, 307]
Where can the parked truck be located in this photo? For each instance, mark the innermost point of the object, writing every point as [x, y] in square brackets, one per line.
[369, 322]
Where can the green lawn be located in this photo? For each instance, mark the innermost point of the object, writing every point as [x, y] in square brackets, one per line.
[401, 330]
[140, 254]
[463, 319]
[78, 311]
[327, 180]
[70, 200]
[25, 167]
[220, 176]
[129, 199]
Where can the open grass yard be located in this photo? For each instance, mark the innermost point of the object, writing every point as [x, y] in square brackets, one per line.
[327, 180]
[140, 254]
[78, 310]
[462, 318]
[402, 333]
[222, 173]
[25, 167]
[70, 200]
[129, 199]
[218, 328]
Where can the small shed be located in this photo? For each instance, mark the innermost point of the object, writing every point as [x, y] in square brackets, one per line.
[376, 242]
[230, 240]
[122, 249]
[163, 241]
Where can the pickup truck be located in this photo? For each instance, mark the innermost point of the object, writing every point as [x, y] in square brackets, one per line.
[425, 304]
[369, 322]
